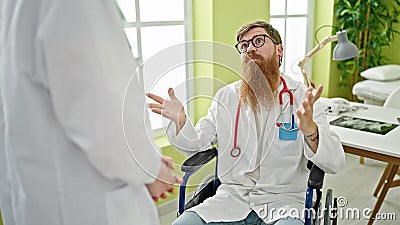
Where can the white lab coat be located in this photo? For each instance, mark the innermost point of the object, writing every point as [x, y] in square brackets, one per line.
[5, 180]
[283, 172]
[64, 68]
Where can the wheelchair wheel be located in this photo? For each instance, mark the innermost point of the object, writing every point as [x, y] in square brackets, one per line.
[335, 212]
[317, 220]
[328, 208]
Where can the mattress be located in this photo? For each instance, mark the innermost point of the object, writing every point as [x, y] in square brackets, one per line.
[374, 91]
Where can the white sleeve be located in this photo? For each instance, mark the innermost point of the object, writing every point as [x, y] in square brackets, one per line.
[88, 66]
[330, 155]
[199, 138]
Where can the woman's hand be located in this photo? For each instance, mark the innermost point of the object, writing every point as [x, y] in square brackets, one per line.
[165, 180]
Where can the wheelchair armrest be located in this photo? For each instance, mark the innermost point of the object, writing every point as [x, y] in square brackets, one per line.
[197, 160]
[316, 178]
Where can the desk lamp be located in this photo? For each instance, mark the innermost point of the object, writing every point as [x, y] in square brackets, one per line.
[343, 50]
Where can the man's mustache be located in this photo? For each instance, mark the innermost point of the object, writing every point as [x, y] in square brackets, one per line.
[254, 55]
[251, 55]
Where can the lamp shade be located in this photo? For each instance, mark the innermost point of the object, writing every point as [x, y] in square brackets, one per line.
[344, 49]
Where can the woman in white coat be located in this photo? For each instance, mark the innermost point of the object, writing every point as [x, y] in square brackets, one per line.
[5, 181]
[269, 171]
[72, 158]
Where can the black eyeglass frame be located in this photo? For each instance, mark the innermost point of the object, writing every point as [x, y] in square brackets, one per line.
[251, 40]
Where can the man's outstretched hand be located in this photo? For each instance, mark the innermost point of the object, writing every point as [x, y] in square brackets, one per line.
[171, 109]
[305, 113]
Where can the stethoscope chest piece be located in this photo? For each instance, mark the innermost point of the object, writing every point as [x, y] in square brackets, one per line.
[235, 152]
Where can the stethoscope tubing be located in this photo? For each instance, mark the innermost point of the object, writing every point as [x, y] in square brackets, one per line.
[285, 90]
[235, 151]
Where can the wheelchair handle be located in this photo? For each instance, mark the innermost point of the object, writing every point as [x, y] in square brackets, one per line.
[197, 160]
[316, 178]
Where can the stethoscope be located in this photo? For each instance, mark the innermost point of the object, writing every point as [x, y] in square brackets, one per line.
[285, 90]
[235, 151]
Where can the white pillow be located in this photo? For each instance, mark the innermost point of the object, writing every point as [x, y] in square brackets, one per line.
[382, 73]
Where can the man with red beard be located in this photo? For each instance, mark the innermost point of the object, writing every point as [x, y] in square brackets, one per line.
[263, 146]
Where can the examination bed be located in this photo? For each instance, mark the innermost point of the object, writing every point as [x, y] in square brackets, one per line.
[380, 82]
[374, 92]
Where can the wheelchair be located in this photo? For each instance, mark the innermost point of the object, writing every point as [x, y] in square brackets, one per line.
[209, 185]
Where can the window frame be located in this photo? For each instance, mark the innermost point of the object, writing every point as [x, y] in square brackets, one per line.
[187, 23]
[310, 33]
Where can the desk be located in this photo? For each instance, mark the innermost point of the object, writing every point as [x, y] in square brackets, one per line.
[384, 148]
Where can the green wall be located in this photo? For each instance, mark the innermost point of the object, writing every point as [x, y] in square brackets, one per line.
[203, 71]
[218, 21]
[321, 61]
[229, 16]
[393, 52]
[324, 69]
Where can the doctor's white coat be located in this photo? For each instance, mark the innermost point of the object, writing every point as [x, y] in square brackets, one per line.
[64, 69]
[282, 173]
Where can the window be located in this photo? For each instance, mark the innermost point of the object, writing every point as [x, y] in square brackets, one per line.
[152, 30]
[294, 21]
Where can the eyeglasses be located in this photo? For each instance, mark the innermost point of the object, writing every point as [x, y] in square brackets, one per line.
[258, 41]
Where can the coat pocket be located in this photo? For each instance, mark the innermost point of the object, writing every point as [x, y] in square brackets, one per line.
[287, 147]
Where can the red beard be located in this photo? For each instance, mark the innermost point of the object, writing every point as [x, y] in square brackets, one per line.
[260, 79]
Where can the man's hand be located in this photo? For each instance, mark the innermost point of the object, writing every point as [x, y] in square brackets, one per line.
[165, 180]
[171, 109]
[305, 113]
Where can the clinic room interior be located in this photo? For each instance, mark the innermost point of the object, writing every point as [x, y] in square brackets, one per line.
[201, 34]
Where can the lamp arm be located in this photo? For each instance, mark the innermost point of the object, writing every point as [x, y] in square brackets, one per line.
[311, 54]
